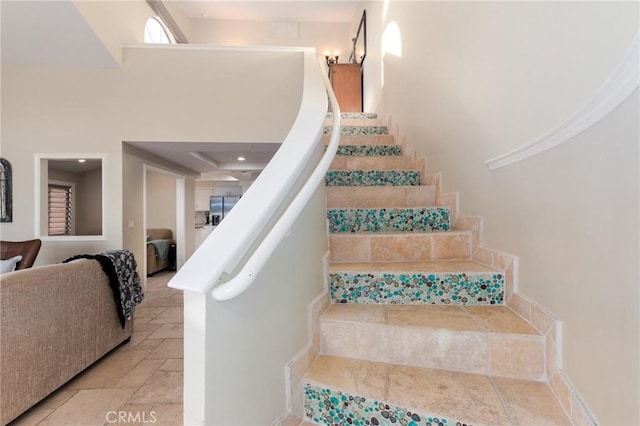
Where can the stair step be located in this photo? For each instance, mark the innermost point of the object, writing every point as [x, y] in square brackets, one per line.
[425, 219]
[359, 130]
[373, 177]
[368, 150]
[386, 162]
[445, 282]
[474, 339]
[415, 246]
[348, 391]
[355, 115]
[382, 197]
[355, 122]
[363, 140]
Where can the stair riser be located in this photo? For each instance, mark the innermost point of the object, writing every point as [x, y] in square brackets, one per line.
[328, 406]
[359, 130]
[410, 247]
[442, 349]
[373, 140]
[418, 288]
[355, 115]
[373, 178]
[380, 197]
[368, 150]
[389, 220]
[372, 163]
[356, 122]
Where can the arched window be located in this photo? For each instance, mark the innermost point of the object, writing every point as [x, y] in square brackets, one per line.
[155, 32]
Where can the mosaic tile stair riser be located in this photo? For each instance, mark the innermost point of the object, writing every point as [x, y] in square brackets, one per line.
[389, 220]
[418, 288]
[360, 130]
[372, 178]
[336, 408]
[355, 115]
[369, 150]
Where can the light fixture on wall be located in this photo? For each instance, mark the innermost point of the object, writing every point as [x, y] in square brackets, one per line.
[331, 60]
[241, 158]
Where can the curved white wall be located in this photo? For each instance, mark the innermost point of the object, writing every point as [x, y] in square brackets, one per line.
[477, 79]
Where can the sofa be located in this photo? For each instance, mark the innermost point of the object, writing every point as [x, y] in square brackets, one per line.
[55, 321]
[161, 253]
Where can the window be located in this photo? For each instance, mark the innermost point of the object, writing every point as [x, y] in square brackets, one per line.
[60, 209]
[154, 32]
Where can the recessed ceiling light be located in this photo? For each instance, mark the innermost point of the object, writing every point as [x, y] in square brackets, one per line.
[241, 158]
[81, 160]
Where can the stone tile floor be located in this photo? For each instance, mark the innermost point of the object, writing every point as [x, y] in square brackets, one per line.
[139, 383]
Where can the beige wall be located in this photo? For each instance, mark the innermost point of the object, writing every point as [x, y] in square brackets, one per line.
[161, 200]
[158, 95]
[476, 79]
[89, 203]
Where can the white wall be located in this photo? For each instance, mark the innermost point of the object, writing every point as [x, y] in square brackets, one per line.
[322, 36]
[476, 79]
[161, 201]
[160, 94]
[89, 203]
[253, 337]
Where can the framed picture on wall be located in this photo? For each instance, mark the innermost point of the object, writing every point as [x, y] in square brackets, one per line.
[6, 206]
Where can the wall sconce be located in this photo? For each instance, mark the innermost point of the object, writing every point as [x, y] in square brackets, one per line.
[331, 60]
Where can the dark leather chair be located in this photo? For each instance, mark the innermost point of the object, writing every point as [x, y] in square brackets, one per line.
[28, 249]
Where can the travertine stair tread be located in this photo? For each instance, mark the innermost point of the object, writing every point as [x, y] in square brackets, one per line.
[476, 319]
[457, 397]
[427, 266]
[364, 139]
[373, 162]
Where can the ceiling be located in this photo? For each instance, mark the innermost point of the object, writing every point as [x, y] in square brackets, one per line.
[265, 10]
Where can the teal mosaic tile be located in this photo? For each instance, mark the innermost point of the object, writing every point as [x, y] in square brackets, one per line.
[389, 220]
[360, 130]
[483, 288]
[369, 150]
[372, 178]
[331, 407]
[355, 115]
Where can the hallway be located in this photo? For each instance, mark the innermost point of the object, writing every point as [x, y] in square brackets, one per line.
[137, 383]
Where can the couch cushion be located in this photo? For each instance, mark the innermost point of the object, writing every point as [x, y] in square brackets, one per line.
[9, 265]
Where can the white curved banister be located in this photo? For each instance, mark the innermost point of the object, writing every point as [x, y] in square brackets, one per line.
[256, 262]
[622, 83]
[242, 234]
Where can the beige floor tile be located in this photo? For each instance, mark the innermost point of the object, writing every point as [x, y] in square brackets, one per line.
[500, 319]
[140, 320]
[165, 302]
[517, 356]
[140, 373]
[169, 316]
[464, 397]
[530, 403]
[31, 417]
[168, 331]
[169, 348]
[172, 365]
[144, 311]
[364, 378]
[146, 327]
[446, 317]
[168, 415]
[109, 370]
[136, 338]
[88, 407]
[290, 421]
[55, 400]
[149, 343]
[164, 387]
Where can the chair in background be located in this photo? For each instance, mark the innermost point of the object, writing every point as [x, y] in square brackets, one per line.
[27, 249]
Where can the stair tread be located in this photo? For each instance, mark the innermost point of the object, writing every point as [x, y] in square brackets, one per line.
[466, 266]
[469, 398]
[476, 319]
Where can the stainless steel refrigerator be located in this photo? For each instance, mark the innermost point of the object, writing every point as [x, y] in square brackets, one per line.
[221, 206]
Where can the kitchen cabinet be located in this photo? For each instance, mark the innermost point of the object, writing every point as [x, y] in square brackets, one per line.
[227, 191]
[346, 80]
[201, 234]
[202, 199]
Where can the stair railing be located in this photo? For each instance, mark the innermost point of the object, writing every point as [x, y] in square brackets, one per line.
[258, 209]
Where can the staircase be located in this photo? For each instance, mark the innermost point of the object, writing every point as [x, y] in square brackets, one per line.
[417, 332]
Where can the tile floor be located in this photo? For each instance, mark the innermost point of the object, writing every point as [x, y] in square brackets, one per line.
[139, 383]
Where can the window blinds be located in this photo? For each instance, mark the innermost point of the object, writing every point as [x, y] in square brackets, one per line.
[60, 210]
